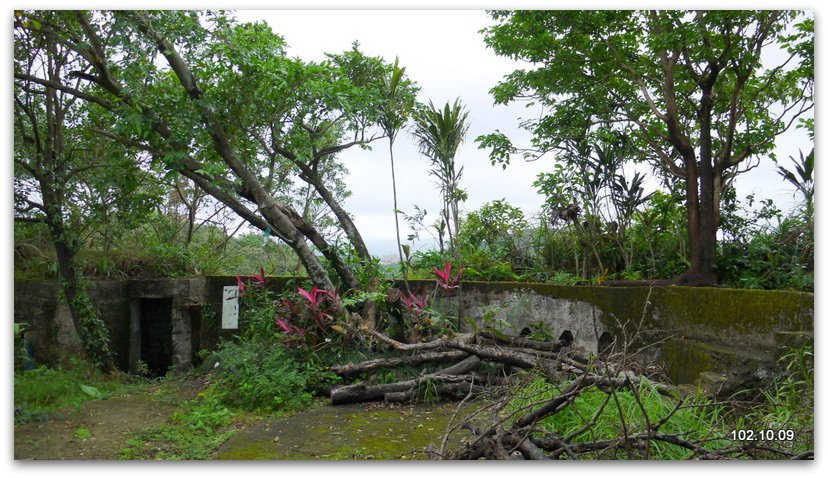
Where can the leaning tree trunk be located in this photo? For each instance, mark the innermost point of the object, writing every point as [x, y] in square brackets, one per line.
[93, 333]
[270, 208]
[369, 311]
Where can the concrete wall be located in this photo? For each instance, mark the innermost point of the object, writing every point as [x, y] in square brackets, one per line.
[51, 331]
[736, 316]
[692, 330]
[55, 340]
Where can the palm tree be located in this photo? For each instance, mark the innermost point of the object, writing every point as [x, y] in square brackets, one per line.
[803, 180]
[439, 134]
[394, 113]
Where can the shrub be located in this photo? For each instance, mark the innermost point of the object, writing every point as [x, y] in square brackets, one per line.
[265, 377]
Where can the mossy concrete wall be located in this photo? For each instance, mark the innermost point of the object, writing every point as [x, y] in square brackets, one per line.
[691, 329]
[51, 331]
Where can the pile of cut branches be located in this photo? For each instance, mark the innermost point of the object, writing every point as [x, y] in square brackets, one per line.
[467, 352]
[650, 420]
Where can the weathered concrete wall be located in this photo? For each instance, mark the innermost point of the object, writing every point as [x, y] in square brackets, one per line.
[211, 331]
[690, 329]
[53, 335]
[51, 330]
[694, 329]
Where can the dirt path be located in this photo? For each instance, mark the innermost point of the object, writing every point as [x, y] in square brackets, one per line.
[109, 423]
[101, 429]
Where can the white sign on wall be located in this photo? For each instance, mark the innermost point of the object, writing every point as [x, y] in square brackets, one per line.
[230, 308]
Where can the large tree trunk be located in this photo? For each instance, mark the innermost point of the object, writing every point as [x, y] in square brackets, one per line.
[345, 221]
[703, 236]
[93, 334]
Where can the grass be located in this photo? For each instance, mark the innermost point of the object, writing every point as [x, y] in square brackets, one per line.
[786, 404]
[40, 392]
[193, 433]
[613, 415]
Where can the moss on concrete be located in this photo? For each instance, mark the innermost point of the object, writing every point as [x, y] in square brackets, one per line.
[350, 432]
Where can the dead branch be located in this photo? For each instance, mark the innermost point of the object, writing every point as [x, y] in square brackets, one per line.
[412, 360]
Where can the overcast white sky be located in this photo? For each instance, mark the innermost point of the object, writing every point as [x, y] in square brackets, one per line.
[444, 53]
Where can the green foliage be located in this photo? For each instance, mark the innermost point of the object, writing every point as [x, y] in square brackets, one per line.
[194, 433]
[439, 133]
[768, 251]
[41, 391]
[157, 248]
[257, 314]
[610, 412]
[668, 87]
[788, 401]
[257, 376]
[21, 354]
[92, 331]
[490, 241]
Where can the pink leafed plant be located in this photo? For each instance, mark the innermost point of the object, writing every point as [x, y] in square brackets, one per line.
[240, 283]
[415, 304]
[291, 307]
[259, 280]
[445, 279]
[289, 328]
[314, 297]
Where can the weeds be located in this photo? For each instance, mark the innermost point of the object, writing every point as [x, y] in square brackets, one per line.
[597, 415]
[40, 392]
[193, 433]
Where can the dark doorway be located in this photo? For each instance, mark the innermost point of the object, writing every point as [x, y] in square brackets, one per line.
[156, 335]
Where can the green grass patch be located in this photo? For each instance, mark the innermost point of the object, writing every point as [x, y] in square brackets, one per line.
[193, 433]
[40, 392]
[615, 414]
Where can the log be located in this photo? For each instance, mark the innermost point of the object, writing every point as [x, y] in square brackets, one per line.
[453, 390]
[413, 360]
[434, 344]
[463, 342]
[523, 343]
[361, 392]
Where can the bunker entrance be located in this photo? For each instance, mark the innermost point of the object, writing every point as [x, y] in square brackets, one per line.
[156, 335]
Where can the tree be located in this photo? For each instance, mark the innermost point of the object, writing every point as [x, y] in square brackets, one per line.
[803, 180]
[229, 111]
[395, 111]
[67, 177]
[691, 89]
[439, 134]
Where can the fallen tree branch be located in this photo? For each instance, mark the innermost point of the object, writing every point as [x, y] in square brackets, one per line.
[412, 360]
[398, 391]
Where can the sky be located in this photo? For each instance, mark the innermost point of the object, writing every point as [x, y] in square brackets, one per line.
[443, 51]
